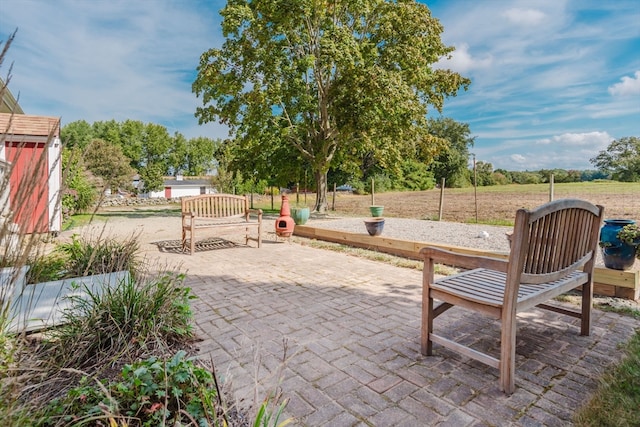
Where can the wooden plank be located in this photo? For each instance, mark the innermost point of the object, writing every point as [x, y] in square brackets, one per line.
[466, 351]
[603, 277]
[624, 279]
[385, 244]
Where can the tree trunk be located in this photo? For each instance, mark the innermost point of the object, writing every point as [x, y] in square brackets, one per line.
[321, 191]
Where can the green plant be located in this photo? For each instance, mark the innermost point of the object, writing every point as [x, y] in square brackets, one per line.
[630, 234]
[151, 392]
[88, 256]
[84, 257]
[265, 417]
[617, 399]
[137, 315]
[45, 268]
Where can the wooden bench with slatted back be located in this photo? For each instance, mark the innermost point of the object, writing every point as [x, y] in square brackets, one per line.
[218, 211]
[553, 250]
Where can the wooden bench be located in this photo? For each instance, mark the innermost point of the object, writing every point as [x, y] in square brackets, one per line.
[553, 250]
[218, 211]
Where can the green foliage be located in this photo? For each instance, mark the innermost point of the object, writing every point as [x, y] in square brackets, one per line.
[325, 83]
[618, 398]
[84, 257]
[108, 162]
[630, 234]
[46, 268]
[621, 159]
[78, 194]
[451, 163]
[381, 182]
[266, 418]
[525, 177]
[87, 256]
[415, 177]
[77, 135]
[500, 179]
[358, 187]
[483, 174]
[136, 315]
[147, 148]
[150, 393]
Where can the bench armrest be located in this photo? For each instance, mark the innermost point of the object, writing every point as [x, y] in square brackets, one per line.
[255, 212]
[465, 261]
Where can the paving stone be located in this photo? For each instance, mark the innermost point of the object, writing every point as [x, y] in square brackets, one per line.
[392, 416]
[353, 335]
[457, 418]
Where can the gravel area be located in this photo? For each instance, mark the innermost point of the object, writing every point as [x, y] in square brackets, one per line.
[477, 236]
[486, 237]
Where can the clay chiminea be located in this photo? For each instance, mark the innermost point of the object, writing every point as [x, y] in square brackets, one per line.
[284, 223]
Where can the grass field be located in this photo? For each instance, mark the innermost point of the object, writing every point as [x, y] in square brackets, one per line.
[495, 204]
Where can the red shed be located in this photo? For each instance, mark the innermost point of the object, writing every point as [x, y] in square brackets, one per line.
[30, 150]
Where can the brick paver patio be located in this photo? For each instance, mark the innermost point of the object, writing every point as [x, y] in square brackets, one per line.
[351, 328]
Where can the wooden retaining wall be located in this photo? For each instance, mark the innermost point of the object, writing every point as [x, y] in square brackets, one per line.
[622, 284]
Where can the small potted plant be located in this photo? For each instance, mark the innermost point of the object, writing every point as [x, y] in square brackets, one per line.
[619, 241]
[630, 235]
[300, 214]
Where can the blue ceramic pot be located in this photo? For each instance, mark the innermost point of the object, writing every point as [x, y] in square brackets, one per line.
[374, 226]
[616, 254]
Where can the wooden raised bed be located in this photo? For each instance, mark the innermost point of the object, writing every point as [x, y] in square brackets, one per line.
[622, 284]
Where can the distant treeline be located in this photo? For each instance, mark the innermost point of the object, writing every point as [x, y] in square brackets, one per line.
[503, 177]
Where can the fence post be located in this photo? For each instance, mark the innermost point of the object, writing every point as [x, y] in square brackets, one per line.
[441, 199]
[551, 180]
[373, 197]
[333, 203]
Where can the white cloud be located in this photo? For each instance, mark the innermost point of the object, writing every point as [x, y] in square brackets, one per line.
[587, 140]
[462, 61]
[526, 17]
[518, 158]
[627, 86]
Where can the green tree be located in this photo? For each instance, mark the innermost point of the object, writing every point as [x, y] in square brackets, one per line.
[452, 162]
[621, 159]
[107, 161]
[78, 194]
[199, 155]
[525, 177]
[484, 173]
[77, 134]
[330, 79]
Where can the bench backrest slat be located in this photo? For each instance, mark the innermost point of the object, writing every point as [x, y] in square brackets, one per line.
[215, 205]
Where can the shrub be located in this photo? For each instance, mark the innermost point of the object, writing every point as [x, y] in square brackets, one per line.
[137, 316]
[84, 257]
[152, 392]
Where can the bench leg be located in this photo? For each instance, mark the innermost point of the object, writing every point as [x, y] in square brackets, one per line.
[587, 304]
[259, 234]
[192, 241]
[184, 239]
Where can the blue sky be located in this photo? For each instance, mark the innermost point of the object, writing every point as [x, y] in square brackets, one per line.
[553, 82]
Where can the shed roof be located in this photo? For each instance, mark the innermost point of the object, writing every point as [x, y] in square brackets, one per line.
[27, 124]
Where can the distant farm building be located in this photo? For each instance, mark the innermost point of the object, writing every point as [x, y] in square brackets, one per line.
[181, 186]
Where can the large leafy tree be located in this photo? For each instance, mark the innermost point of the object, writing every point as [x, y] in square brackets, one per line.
[330, 79]
[107, 161]
[452, 162]
[621, 159]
